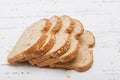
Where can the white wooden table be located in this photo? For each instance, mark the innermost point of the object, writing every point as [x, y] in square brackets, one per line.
[102, 17]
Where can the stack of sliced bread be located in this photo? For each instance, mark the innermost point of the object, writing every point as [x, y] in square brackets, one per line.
[58, 42]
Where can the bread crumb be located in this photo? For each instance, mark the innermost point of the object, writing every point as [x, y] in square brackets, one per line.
[68, 76]
[22, 72]
[28, 72]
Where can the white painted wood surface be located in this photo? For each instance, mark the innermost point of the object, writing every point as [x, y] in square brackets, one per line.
[102, 17]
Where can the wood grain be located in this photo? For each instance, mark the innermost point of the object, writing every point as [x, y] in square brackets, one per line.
[102, 17]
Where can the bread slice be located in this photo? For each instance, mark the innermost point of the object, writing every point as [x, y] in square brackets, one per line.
[33, 36]
[74, 48]
[55, 27]
[84, 59]
[62, 40]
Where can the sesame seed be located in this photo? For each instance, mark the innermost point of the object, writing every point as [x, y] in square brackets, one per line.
[66, 48]
[68, 43]
[59, 52]
[20, 55]
[42, 53]
[37, 47]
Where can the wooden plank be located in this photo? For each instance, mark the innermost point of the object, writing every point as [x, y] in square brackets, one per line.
[102, 17]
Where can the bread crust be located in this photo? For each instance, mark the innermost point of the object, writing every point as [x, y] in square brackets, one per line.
[80, 68]
[73, 67]
[63, 58]
[25, 55]
[66, 45]
[70, 56]
[73, 54]
[44, 49]
[79, 59]
[63, 49]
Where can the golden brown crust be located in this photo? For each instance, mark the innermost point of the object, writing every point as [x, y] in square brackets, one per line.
[78, 66]
[46, 57]
[51, 41]
[65, 62]
[77, 35]
[27, 54]
[47, 26]
[35, 47]
[61, 66]
[60, 59]
[86, 66]
[44, 49]
[55, 53]
[59, 51]
[74, 67]
[94, 40]
[47, 47]
[57, 26]
[63, 49]
[31, 62]
[63, 58]
[71, 27]
[45, 63]
[70, 56]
